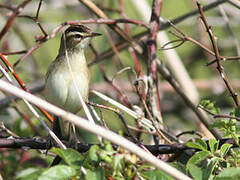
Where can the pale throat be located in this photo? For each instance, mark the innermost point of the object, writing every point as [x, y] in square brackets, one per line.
[77, 55]
[79, 48]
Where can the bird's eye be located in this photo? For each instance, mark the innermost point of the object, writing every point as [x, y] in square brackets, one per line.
[78, 36]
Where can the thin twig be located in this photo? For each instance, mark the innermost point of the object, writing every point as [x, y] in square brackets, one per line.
[3, 128]
[159, 133]
[103, 107]
[218, 115]
[184, 37]
[10, 20]
[136, 62]
[190, 132]
[14, 53]
[91, 6]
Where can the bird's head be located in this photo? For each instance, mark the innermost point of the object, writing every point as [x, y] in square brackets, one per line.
[77, 37]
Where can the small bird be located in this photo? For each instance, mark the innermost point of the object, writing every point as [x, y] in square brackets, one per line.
[62, 82]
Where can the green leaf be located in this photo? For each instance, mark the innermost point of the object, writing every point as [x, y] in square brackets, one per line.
[197, 158]
[29, 174]
[193, 145]
[70, 156]
[208, 171]
[107, 145]
[210, 106]
[220, 123]
[155, 175]
[202, 143]
[105, 156]
[59, 172]
[199, 144]
[179, 166]
[93, 153]
[213, 144]
[224, 149]
[204, 102]
[195, 172]
[237, 111]
[229, 174]
[94, 175]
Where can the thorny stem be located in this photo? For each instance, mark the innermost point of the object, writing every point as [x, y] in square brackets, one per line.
[218, 58]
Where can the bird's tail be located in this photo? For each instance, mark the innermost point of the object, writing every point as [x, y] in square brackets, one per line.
[56, 127]
[64, 130]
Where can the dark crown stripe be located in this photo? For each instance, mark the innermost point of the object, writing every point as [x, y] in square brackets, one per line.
[78, 28]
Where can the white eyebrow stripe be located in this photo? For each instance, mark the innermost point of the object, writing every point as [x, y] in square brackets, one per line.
[74, 33]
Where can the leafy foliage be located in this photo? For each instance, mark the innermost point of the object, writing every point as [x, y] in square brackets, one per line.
[229, 127]
[210, 159]
[98, 163]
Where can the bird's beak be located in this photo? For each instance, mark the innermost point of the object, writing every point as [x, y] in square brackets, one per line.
[94, 34]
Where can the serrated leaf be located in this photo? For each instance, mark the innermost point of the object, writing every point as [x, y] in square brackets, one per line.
[29, 174]
[229, 174]
[213, 145]
[94, 175]
[197, 158]
[224, 149]
[199, 144]
[192, 145]
[202, 143]
[195, 172]
[59, 172]
[70, 156]
[156, 175]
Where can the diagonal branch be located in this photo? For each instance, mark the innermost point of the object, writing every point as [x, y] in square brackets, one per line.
[218, 57]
